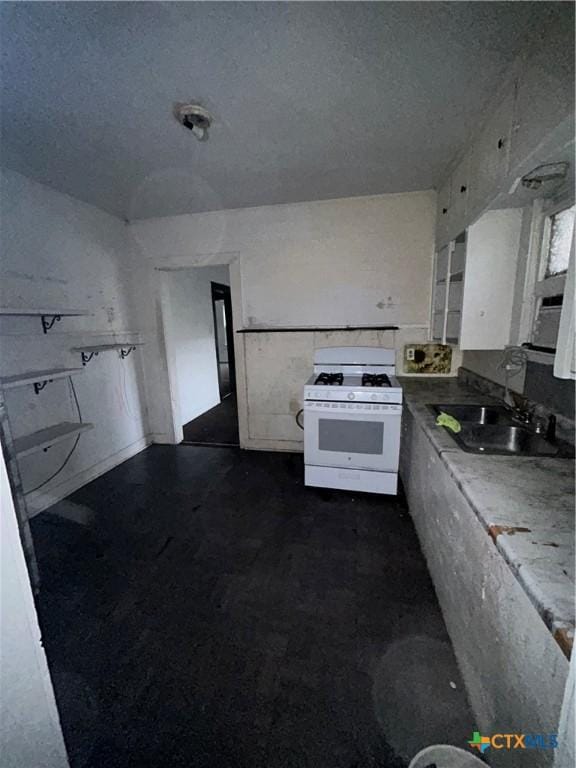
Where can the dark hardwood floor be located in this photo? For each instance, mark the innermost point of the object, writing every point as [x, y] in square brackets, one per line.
[218, 426]
[200, 607]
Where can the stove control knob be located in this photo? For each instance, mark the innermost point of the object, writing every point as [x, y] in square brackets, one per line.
[351, 395]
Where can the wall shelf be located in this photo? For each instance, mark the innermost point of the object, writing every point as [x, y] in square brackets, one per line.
[89, 351]
[45, 438]
[38, 378]
[47, 316]
[320, 329]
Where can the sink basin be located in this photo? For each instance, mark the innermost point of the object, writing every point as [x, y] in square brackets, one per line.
[505, 440]
[491, 430]
[476, 414]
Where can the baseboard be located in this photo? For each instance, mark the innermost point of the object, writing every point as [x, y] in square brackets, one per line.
[260, 444]
[162, 438]
[40, 500]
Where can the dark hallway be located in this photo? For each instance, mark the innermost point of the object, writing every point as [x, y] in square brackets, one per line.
[209, 610]
[218, 426]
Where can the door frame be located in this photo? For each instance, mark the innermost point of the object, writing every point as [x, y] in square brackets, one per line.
[160, 362]
[220, 292]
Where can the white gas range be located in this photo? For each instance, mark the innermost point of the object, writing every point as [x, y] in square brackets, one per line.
[352, 414]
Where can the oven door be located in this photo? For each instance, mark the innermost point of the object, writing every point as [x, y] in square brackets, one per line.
[353, 435]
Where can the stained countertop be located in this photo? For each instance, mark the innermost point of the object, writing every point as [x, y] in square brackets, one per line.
[526, 505]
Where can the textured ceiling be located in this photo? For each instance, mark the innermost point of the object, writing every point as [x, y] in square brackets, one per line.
[311, 100]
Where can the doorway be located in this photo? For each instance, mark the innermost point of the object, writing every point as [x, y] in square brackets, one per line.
[200, 344]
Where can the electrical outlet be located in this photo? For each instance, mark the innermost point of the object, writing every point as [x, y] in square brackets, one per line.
[410, 353]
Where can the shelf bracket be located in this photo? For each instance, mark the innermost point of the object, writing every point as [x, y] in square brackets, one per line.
[87, 356]
[48, 321]
[39, 385]
[124, 352]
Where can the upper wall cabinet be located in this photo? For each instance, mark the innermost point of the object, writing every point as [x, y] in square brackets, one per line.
[490, 156]
[442, 214]
[458, 199]
[530, 122]
[545, 93]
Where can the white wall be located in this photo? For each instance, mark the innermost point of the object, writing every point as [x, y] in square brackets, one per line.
[190, 338]
[30, 733]
[357, 261]
[61, 253]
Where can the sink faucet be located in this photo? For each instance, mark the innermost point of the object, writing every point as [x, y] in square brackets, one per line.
[523, 414]
[520, 407]
[513, 362]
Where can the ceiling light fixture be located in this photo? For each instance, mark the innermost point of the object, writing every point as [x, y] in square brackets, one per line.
[195, 118]
[543, 173]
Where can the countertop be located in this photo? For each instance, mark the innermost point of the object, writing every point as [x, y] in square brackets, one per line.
[526, 505]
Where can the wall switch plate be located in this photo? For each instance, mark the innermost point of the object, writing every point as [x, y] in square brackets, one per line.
[410, 353]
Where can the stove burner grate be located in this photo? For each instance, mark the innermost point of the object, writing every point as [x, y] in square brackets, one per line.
[375, 380]
[331, 379]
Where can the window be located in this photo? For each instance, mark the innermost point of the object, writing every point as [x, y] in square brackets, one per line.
[556, 241]
[560, 227]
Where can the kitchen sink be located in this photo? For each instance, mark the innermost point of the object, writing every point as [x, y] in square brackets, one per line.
[491, 430]
[505, 440]
[477, 414]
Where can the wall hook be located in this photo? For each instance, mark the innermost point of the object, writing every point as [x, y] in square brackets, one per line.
[125, 352]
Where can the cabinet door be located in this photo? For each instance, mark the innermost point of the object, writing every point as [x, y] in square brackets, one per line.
[458, 199]
[442, 259]
[489, 279]
[489, 158]
[545, 93]
[442, 214]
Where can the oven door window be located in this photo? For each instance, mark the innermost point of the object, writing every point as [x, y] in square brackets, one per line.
[345, 436]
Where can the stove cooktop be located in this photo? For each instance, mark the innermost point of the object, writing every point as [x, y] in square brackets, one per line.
[365, 380]
[338, 386]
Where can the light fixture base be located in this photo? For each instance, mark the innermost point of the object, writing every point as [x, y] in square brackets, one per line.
[195, 118]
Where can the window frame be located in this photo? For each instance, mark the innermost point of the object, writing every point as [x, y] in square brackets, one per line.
[536, 285]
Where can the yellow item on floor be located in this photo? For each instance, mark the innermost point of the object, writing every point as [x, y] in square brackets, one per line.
[445, 420]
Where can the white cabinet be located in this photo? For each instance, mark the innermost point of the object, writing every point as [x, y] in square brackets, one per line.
[489, 279]
[452, 198]
[474, 282]
[442, 214]
[545, 92]
[489, 156]
[458, 198]
[530, 121]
